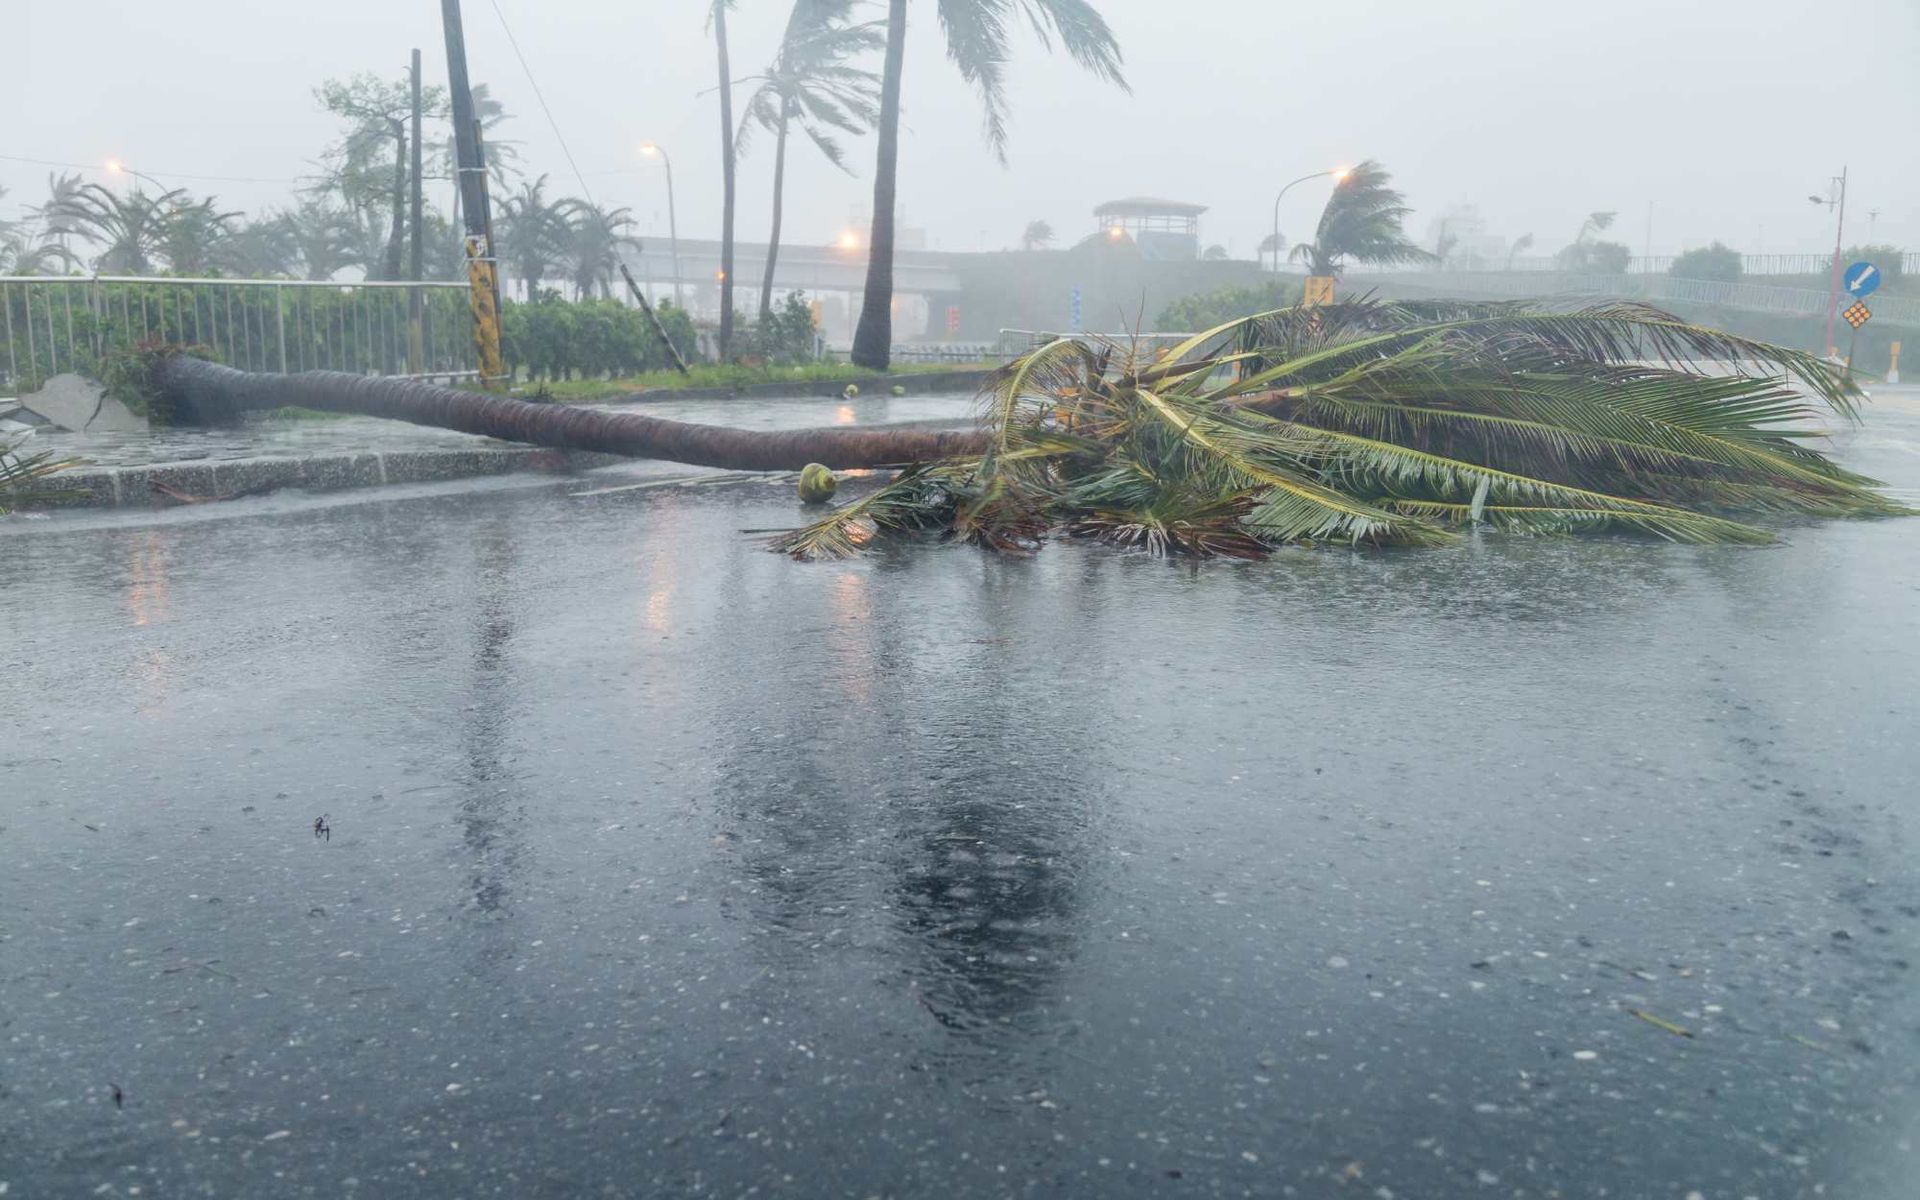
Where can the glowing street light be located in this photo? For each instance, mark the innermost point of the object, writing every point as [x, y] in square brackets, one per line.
[652, 150]
[848, 240]
[116, 167]
[1337, 174]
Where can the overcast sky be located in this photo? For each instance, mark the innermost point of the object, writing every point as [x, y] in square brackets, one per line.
[1721, 114]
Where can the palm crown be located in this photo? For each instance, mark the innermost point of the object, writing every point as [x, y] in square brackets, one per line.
[1362, 221]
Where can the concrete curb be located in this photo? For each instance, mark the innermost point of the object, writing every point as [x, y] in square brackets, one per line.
[132, 487]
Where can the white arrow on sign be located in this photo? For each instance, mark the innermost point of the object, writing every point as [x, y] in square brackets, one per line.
[1865, 275]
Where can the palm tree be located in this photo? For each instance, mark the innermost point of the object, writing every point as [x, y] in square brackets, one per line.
[1361, 222]
[533, 233]
[322, 235]
[193, 235]
[206, 391]
[27, 253]
[1272, 244]
[976, 34]
[811, 82]
[130, 228]
[1379, 423]
[593, 241]
[503, 156]
[52, 214]
[1523, 242]
[717, 21]
[1587, 253]
[261, 249]
[1035, 235]
[1360, 422]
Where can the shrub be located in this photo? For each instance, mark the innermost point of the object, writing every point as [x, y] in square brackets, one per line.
[551, 338]
[786, 336]
[1719, 263]
[1204, 310]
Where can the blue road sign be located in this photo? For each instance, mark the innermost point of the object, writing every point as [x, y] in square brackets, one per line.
[1861, 279]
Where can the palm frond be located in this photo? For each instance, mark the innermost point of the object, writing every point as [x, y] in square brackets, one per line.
[23, 476]
[1387, 423]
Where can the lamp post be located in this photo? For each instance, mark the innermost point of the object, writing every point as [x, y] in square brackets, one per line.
[1338, 173]
[116, 167]
[1836, 199]
[673, 228]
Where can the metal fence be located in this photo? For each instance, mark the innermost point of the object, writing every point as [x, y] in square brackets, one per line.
[53, 324]
[1752, 297]
[1660, 264]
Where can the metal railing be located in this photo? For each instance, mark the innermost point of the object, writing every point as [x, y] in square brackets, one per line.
[54, 324]
[1660, 264]
[1752, 297]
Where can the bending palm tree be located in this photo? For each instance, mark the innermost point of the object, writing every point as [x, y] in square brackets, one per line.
[810, 82]
[1358, 422]
[1361, 222]
[976, 34]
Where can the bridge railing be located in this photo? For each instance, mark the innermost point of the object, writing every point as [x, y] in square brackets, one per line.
[55, 324]
[1752, 297]
[1750, 264]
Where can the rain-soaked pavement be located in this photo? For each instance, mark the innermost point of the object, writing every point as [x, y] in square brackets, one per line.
[660, 865]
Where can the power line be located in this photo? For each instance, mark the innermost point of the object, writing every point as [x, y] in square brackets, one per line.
[537, 95]
[81, 166]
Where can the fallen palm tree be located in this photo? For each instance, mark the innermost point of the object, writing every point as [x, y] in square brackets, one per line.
[201, 392]
[1383, 423]
[1363, 422]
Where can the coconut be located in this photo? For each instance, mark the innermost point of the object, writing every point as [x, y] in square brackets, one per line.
[850, 391]
[817, 484]
[899, 389]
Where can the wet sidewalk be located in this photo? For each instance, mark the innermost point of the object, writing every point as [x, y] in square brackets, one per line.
[328, 453]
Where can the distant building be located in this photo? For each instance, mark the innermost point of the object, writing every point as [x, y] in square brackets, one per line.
[1164, 230]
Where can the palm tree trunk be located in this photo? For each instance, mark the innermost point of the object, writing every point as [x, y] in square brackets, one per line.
[396, 235]
[773, 238]
[726, 179]
[873, 340]
[200, 391]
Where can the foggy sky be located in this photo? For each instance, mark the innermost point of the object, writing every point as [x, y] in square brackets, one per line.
[1721, 114]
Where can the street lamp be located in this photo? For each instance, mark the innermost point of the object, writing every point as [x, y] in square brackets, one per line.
[1338, 173]
[1835, 199]
[673, 228]
[116, 167]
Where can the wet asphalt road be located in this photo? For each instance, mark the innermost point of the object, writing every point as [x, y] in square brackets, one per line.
[663, 866]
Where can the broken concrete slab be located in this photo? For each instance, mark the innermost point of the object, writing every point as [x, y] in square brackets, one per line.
[79, 404]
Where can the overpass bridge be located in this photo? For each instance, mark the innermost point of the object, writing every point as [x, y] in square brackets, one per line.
[834, 274]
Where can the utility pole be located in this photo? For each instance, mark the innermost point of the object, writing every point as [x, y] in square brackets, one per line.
[416, 300]
[1839, 231]
[483, 271]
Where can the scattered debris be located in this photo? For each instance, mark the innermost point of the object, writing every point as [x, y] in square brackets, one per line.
[321, 829]
[1657, 1023]
[119, 1097]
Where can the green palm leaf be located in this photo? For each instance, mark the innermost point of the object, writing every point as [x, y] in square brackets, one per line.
[1389, 423]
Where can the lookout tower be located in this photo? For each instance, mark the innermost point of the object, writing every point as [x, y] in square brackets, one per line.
[1163, 229]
